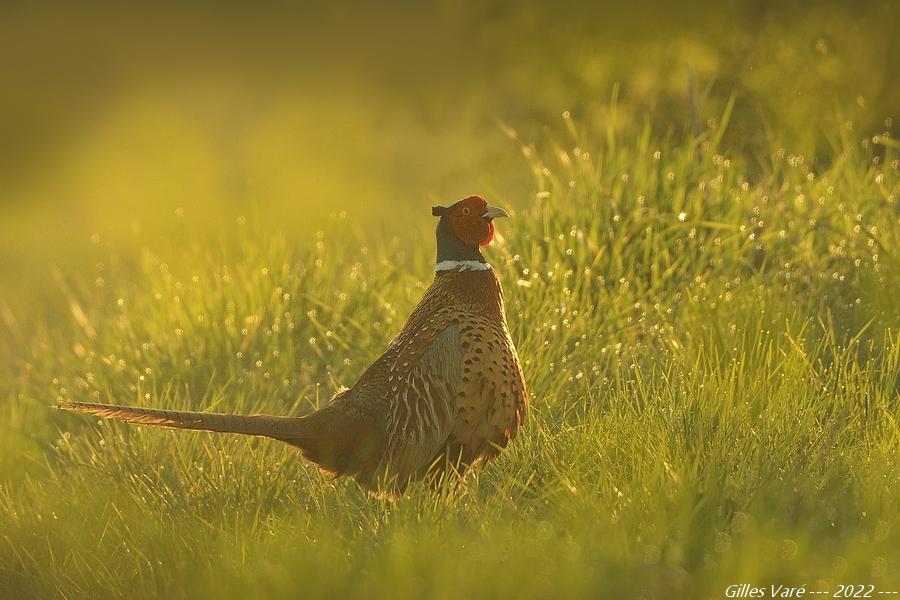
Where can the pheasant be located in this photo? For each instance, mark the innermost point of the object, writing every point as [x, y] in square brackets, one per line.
[447, 394]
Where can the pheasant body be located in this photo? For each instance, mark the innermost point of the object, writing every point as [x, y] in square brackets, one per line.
[448, 391]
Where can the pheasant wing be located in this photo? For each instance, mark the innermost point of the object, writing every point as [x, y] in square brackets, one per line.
[423, 408]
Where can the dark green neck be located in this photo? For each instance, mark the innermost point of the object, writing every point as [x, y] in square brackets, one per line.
[450, 247]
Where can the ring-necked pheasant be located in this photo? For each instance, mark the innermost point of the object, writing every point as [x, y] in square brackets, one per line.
[448, 392]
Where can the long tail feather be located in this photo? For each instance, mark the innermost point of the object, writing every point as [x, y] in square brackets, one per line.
[288, 429]
[339, 441]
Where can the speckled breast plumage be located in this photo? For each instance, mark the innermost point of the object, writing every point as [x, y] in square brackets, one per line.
[450, 385]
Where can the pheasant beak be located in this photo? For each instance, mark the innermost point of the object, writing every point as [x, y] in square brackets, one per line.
[493, 212]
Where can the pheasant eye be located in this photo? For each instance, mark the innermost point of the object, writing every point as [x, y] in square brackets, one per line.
[465, 210]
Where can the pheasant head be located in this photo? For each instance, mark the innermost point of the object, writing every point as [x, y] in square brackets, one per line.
[464, 228]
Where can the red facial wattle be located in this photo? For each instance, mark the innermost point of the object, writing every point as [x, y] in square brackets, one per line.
[471, 219]
[471, 228]
[490, 235]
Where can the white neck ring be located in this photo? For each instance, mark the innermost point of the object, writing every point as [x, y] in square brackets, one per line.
[461, 265]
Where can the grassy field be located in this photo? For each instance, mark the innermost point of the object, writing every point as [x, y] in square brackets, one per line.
[707, 309]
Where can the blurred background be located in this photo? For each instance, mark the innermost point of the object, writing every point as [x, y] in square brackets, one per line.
[129, 126]
[228, 209]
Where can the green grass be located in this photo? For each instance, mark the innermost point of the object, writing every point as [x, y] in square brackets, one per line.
[713, 358]
[705, 295]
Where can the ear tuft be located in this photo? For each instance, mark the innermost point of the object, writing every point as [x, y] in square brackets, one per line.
[438, 211]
